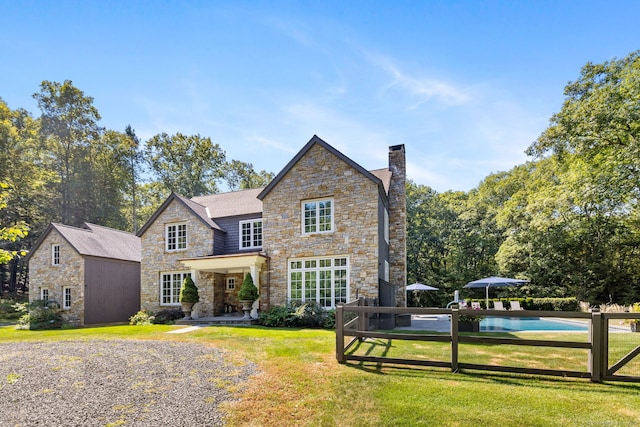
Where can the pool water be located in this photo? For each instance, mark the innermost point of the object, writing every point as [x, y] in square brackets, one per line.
[508, 324]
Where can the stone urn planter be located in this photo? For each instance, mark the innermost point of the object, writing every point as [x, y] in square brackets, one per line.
[186, 309]
[246, 308]
[247, 294]
[188, 296]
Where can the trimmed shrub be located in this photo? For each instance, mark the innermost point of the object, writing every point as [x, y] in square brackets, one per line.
[248, 291]
[189, 291]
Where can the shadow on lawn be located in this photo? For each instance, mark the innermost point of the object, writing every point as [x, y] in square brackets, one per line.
[506, 379]
[382, 347]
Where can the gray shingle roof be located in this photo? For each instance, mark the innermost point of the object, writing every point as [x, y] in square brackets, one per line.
[103, 242]
[383, 175]
[200, 210]
[233, 203]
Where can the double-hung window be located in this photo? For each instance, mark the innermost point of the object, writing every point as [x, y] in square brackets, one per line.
[322, 280]
[55, 254]
[66, 298]
[317, 216]
[170, 283]
[44, 294]
[176, 237]
[251, 234]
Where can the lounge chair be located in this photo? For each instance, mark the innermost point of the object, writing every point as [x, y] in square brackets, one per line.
[475, 305]
[497, 305]
[515, 305]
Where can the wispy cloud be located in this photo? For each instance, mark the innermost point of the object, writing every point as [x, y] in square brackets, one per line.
[272, 144]
[421, 89]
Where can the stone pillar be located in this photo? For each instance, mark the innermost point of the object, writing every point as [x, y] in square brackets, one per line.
[398, 223]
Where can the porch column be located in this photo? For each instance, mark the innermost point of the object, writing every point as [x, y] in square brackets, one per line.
[253, 269]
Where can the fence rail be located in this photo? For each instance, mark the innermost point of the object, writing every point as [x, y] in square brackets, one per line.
[356, 322]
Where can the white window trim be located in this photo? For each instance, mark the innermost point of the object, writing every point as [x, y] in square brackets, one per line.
[228, 281]
[302, 216]
[66, 306]
[252, 222]
[333, 268]
[166, 236]
[173, 297]
[42, 292]
[55, 254]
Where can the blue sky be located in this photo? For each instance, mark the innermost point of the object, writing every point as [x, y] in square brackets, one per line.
[465, 85]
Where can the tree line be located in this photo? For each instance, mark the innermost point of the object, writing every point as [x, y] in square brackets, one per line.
[567, 219]
[62, 166]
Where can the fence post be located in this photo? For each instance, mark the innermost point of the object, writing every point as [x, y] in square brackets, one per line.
[597, 343]
[340, 333]
[363, 318]
[454, 338]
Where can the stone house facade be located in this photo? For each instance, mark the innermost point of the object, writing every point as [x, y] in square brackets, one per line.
[92, 272]
[324, 230]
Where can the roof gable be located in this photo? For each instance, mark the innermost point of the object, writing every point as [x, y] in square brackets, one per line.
[98, 241]
[233, 203]
[313, 141]
[198, 210]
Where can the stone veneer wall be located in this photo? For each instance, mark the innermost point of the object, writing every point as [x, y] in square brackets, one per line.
[155, 259]
[320, 174]
[70, 272]
[398, 223]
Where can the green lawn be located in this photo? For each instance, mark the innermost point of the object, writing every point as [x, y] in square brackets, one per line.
[302, 384]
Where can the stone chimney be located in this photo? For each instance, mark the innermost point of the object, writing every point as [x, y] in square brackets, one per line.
[398, 223]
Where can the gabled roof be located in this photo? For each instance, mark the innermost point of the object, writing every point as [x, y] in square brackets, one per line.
[233, 203]
[197, 209]
[98, 241]
[316, 140]
[383, 175]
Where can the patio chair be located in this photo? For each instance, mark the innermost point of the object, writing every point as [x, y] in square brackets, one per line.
[515, 305]
[497, 305]
[475, 305]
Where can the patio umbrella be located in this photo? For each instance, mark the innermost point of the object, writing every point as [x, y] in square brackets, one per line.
[495, 282]
[420, 287]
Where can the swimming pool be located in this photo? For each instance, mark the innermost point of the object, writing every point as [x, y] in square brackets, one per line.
[510, 324]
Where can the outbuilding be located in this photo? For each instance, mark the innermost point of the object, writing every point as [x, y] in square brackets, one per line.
[92, 272]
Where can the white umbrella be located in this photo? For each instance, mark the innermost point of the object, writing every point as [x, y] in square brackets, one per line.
[488, 282]
[420, 287]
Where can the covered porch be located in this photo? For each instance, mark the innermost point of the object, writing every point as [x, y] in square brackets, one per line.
[219, 279]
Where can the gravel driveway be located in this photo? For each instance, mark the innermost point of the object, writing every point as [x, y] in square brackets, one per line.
[115, 383]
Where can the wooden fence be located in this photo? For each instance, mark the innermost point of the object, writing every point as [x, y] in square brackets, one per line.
[356, 322]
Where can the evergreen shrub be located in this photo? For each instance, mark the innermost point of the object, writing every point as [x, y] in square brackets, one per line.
[248, 291]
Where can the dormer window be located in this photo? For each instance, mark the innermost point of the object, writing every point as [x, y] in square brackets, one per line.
[317, 216]
[55, 254]
[176, 237]
[251, 234]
